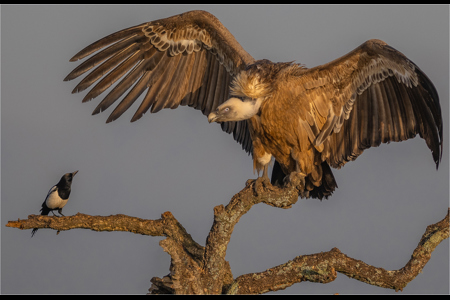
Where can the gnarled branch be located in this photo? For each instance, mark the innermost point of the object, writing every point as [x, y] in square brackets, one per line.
[323, 267]
[203, 270]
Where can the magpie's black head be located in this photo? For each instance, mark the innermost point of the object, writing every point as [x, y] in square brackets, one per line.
[67, 179]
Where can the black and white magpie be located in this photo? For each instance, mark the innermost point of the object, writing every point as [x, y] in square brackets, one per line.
[57, 196]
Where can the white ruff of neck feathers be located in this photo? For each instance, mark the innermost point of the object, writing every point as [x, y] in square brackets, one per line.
[244, 109]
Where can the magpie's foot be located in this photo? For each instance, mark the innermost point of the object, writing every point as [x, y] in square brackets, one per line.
[55, 215]
[61, 215]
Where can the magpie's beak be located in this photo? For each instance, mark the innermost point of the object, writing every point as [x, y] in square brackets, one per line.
[73, 174]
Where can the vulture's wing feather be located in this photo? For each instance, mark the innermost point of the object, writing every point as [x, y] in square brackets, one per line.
[188, 59]
[372, 95]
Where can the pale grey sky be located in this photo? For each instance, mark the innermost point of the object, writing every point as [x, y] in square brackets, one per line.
[175, 161]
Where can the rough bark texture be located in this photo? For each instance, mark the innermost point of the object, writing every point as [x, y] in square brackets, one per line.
[195, 269]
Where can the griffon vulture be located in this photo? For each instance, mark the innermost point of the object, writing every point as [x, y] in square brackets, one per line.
[307, 119]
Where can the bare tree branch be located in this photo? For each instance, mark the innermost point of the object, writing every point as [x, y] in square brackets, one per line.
[323, 267]
[166, 226]
[225, 218]
[203, 270]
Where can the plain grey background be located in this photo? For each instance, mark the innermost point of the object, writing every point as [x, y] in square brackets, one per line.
[175, 161]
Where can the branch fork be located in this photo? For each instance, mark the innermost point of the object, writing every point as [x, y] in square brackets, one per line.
[195, 269]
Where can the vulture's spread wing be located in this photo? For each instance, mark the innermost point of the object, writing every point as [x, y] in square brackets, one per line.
[372, 95]
[187, 59]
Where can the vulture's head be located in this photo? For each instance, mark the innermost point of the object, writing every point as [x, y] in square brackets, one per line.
[250, 88]
[235, 109]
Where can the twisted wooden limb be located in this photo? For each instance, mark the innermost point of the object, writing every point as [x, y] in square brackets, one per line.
[225, 218]
[203, 270]
[166, 226]
[323, 267]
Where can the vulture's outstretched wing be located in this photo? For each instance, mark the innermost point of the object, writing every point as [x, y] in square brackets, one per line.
[369, 96]
[187, 59]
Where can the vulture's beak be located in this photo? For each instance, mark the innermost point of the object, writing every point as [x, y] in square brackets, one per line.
[212, 117]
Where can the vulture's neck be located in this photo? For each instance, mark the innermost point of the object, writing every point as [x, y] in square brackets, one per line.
[248, 108]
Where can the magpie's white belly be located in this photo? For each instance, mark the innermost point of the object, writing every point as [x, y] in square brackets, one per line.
[54, 201]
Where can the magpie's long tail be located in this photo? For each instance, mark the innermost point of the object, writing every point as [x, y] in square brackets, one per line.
[33, 231]
[44, 212]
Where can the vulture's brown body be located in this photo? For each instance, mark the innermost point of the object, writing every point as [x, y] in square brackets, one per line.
[307, 119]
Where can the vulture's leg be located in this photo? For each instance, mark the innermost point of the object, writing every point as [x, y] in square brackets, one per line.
[293, 177]
[297, 175]
[262, 182]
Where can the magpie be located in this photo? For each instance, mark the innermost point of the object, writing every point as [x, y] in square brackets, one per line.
[57, 197]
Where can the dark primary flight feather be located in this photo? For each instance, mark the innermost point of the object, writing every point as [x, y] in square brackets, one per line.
[192, 51]
[387, 99]
[308, 119]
